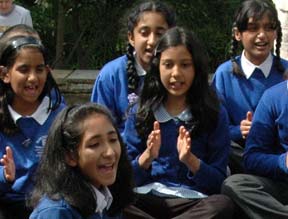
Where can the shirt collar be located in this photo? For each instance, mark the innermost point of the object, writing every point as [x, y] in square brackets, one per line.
[161, 115]
[40, 115]
[139, 69]
[248, 67]
[103, 199]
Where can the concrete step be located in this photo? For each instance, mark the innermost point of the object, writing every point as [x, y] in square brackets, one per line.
[75, 85]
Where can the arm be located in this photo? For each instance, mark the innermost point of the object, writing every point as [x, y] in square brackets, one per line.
[212, 169]
[223, 84]
[135, 148]
[266, 147]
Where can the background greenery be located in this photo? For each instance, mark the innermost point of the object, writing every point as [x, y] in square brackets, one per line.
[85, 34]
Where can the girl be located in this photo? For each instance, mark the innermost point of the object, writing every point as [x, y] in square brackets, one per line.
[242, 80]
[120, 80]
[84, 171]
[26, 113]
[177, 137]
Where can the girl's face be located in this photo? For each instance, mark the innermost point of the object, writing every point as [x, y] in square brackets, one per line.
[27, 78]
[99, 151]
[258, 39]
[150, 27]
[176, 71]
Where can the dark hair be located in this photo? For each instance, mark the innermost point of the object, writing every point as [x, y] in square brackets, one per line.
[133, 19]
[201, 98]
[255, 9]
[56, 179]
[20, 30]
[9, 50]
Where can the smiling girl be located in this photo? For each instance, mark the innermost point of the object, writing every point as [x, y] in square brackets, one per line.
[26, 113]
[84, 171]
[177, 136]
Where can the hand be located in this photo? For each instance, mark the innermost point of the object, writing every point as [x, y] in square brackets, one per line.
[183, 144]
[9, 166]
[185, 154]
[153, 146]
[245, 124]
[154, 141]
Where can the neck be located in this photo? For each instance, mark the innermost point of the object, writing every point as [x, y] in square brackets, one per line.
[175, 105]
[23, 109]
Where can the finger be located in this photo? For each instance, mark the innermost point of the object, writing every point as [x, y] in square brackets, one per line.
[9, 152]
[249, 116]
[156, 126]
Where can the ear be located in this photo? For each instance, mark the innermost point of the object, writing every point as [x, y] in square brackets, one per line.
[131, 38]
[70, 159]
[237, 34]
[5, 76]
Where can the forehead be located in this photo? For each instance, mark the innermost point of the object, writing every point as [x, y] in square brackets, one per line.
[179, 52]
[264, 18]
[5, 1]
[152, 19]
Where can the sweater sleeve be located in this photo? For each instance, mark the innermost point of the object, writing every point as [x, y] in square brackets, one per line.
[135, 147]
[264, 152]
[213, 171]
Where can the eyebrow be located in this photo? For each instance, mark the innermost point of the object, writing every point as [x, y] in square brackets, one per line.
[112, 132]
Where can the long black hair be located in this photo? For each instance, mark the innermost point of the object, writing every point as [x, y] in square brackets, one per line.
[9, 50]
[201, 98]
[255, 9]
[133, 19]
[56, 179]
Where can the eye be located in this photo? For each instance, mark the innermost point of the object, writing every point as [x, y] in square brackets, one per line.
[167, 64]
[144, 32]
[252, 27]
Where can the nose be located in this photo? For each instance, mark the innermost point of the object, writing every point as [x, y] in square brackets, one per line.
[176, 71]
[32, 76]
[108, 150]
[152, 39]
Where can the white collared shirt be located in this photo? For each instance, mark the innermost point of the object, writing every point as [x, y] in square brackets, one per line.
[161, 115]
[139, 69]
[104, 199]
[248, 67]
[40, 115]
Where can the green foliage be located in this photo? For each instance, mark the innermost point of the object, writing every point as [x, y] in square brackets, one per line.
[93, 28]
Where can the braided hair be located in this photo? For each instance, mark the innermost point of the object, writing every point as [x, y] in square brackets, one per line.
[133, 19]
[255, 9]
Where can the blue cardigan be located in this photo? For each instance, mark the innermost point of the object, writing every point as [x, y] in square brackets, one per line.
[211, 148]
[111, 89]
[240, 94]
[60, 209]
[267, 143]
[26, 156]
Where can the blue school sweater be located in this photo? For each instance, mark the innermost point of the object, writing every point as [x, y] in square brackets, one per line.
[27, 146]
[111, 89]
[211, 148]
[267, 143]
[240, 94]
[60, 209]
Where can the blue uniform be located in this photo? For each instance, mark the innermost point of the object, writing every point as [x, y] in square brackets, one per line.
[211, 148]
[27, 146]
[240, 94]
[267, 143]
[60, 209]
[111, 89]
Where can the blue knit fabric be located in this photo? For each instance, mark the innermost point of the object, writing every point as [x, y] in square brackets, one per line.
[240, 94]
[211, 148]
[267, 143]
[27, 146]
[60, 209]
[111, 89]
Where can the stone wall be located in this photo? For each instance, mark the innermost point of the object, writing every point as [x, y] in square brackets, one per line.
[75, 85]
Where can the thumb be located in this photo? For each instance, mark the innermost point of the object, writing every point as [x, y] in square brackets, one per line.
[249, 116]
[156, 126]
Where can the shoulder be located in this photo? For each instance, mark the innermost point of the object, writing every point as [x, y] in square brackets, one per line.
[21, 10]
[224, 68]
[48, 208]
[118, 63]
[277, 90]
